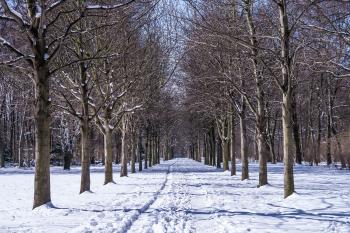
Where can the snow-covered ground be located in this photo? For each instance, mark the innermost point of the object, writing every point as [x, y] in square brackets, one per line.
[179, 196]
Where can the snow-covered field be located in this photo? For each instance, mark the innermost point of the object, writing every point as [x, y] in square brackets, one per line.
[179, 196]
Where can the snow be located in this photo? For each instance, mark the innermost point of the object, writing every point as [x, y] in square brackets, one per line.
[38, 11]
[179, 195]
[16, 13]
[55, 4]
[103, 7]
[3, 41]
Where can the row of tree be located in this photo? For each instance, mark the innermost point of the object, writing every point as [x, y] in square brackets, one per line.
[90, 69]
[279, 69]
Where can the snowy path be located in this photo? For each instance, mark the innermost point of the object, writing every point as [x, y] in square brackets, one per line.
[180, 195]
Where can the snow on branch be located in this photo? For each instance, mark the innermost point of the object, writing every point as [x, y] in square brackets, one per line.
[55, 4]
[108, 7]
[133, 108]
[13, 13]
[12, 48]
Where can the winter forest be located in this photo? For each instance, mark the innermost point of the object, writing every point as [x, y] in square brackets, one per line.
[174, 116]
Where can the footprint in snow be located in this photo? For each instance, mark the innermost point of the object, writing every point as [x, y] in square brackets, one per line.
[93, 222]
[110, 225]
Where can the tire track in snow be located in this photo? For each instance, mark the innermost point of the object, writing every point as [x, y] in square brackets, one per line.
[171, 212]
[135, 216]
[120, 223]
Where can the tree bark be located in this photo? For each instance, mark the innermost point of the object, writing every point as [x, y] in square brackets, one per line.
[124, 162]
[225, 153]
[84, 128]
[287, 146]
[85, 156]
[139, 151]
[225, 144]
[219, 153]
[286, 102]
[329, 123]
[262, 151]
[146, 147]
[42, 193]
[296, 135]
[271, 139]
[67, 159]
[108, 153]
[213, 146]
[244, 148]
[2, 158]
[133, 153]
[260, 117]
[150, 147]
[206, 149]
[232, 145]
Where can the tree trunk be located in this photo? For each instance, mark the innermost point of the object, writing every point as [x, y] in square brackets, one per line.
[172, 154]
[262, 151]
[84, 128]
[199, 157]
[42, 194]
[154, 149]
[117, 147]
[158, 149]
[271, 139]
[261, 137]
[139, 149]
[296, 135]
[20, 139]
[232, 145]
[286, 104]
[206, 150]
[225, 144]
[225, 153]
[212, 147]
[287, 146]
[319, 135]
[150, 147]
[329, 123]
[85, 156]
[133, 153]
[124, 162]
[2, 158]
[244, 148]
[219, 153]
[108, 153]
[146, 147]
[67, 159]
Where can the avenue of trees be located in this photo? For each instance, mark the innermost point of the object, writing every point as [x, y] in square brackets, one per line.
[133, 81]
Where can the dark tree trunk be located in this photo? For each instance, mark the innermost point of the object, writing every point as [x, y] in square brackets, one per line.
[146, 147]
[108, 152]
[85, 156]
[133, 152]
[232, 146]
[296, 135]
[219, 153]
[244, 148]
[67, 159]
[124, 159]
[139, 150]
[42, 194]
